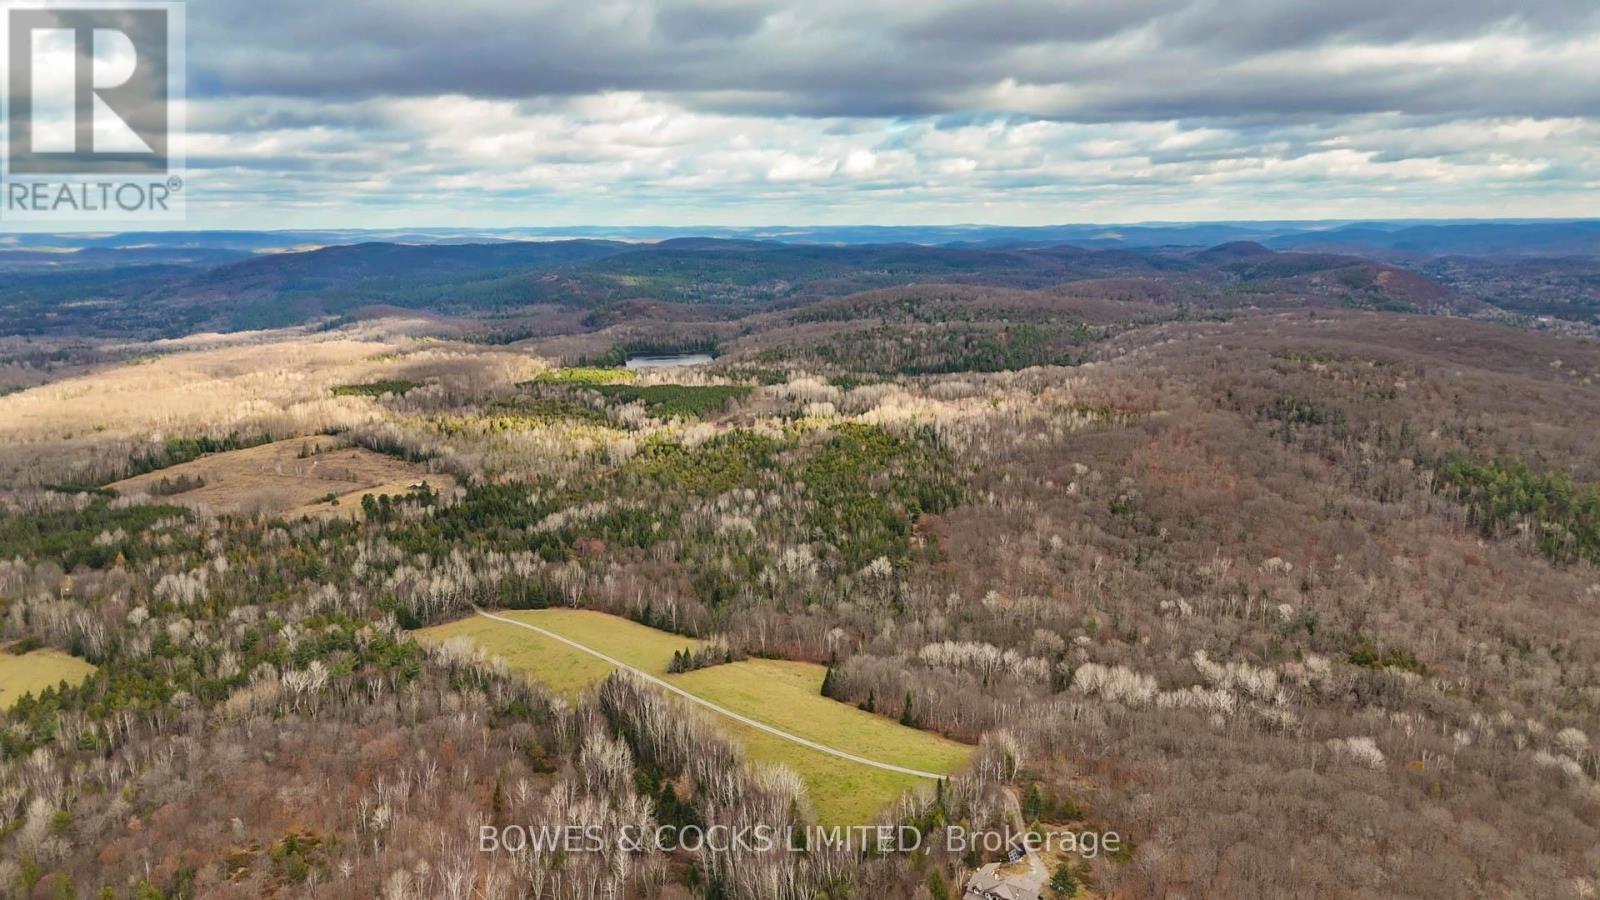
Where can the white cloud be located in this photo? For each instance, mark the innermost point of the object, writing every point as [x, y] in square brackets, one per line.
[842, 110]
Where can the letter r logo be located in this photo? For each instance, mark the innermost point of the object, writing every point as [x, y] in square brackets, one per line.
[88, 90]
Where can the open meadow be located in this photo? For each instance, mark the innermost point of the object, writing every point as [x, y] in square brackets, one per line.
[300, 476]
[787, 694]
[83, 427]
[32, 672]
[779, 693]
[556, 665]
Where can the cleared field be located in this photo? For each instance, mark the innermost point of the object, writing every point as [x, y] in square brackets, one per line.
[841, 793]
[555, 664]
[32, 672]
[276, 478]
[788, 695]
[782, 694]
[640, 646]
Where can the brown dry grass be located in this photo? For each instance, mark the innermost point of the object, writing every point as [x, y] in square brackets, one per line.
[277, 384]
[189, 392]
[274, 478]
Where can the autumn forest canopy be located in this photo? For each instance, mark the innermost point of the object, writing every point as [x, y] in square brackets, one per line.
[1277, 564]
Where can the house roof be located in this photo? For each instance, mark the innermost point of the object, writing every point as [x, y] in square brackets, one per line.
[987, 884]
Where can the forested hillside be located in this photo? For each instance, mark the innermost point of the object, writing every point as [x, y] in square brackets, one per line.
[1297, 598]
[146, 294]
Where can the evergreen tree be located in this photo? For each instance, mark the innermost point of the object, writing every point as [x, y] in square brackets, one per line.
[1032, 802]
[1063, 883]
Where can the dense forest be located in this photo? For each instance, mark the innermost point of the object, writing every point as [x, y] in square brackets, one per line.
[1298, 599]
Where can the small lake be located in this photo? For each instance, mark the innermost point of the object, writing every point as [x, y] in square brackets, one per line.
[667, 362]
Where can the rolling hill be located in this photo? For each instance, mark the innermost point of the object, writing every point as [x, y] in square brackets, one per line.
[216, 290]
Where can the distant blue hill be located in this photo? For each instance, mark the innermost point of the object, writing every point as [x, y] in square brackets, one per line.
[1399, 237]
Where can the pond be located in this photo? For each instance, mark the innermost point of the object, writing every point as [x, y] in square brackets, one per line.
[667, 362]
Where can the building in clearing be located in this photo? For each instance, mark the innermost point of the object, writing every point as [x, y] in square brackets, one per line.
[988, 883]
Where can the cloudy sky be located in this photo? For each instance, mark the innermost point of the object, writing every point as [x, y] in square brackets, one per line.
[478, 112]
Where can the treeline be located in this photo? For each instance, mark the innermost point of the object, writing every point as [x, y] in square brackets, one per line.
[184, 483]
[145, 677]
[181, 450]
[396, 386]
[621, 352]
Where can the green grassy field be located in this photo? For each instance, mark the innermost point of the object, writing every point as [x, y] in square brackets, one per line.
[779, 693]
[556, 665]
[841, 792]
[788, 695]
[33, 672]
